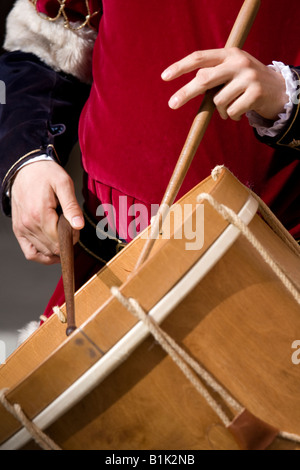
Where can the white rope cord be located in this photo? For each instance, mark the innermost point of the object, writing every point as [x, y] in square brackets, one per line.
[44, 441]
[216, 172]
[58, 312]
[276, 225]
[204, 374]
[35, 432]
[229, 215]
[266, 214]
[181, 358]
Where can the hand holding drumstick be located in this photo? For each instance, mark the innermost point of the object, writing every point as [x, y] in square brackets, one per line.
[247, 84]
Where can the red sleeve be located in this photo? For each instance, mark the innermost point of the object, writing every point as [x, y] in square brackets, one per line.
[84, 11]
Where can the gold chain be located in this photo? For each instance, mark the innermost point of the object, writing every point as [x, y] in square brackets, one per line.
[62, 13]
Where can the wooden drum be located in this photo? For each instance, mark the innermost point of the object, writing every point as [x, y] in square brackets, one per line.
[230, 304]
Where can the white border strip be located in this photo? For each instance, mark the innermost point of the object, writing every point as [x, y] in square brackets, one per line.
[122, 350]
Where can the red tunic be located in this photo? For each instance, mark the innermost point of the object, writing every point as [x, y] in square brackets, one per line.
[129, 137]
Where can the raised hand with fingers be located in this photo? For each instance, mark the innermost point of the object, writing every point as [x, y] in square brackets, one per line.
[245, 83]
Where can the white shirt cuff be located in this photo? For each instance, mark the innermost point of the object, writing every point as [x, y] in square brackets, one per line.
[262, 125]
[40, 158]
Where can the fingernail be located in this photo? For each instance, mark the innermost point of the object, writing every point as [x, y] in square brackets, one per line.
[174, 102]
[166, 74]
[77, 222]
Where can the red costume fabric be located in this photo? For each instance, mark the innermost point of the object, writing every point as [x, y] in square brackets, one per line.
[130, 139]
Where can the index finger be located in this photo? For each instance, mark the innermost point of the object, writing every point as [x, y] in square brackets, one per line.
[194, 61]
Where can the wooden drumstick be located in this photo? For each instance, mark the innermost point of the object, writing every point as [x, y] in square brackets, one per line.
[237, 38]
[65, 234]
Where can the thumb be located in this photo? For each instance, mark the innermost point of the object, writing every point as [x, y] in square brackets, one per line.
[69, 205]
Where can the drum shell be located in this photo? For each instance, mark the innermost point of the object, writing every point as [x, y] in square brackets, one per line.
[239, 322]
[240, 327]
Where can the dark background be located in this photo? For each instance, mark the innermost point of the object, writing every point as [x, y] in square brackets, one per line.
[5, 7]
[25, 287]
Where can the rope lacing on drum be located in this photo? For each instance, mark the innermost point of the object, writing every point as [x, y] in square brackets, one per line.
[266, 214]
[183, 360]
[186, 363]
[229, 215]
[44, 441]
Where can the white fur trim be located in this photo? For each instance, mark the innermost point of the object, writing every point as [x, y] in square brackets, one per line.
[27, 331]
[60, 48]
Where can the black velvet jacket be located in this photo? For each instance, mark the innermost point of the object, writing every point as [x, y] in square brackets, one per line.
[40, 116]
